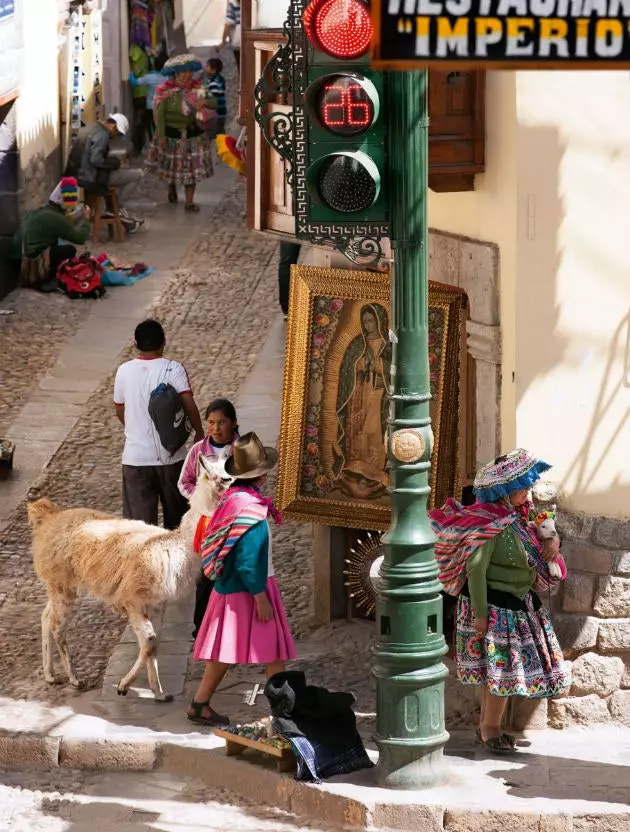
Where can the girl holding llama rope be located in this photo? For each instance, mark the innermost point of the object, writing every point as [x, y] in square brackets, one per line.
[219, 443]
[245, 622]
[491, 559]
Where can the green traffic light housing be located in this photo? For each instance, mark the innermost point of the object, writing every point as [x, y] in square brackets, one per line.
[344, 104]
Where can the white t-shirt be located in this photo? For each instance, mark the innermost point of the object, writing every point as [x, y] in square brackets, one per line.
[135, 381]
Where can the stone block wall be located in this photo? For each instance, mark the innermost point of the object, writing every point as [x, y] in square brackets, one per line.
[591, 616]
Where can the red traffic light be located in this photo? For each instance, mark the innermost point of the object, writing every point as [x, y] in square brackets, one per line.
[340, 28]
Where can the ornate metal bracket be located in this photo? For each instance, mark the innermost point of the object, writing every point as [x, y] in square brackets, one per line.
[364, 251]
[274, 83]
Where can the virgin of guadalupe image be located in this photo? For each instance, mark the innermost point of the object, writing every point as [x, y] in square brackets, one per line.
[359, 452]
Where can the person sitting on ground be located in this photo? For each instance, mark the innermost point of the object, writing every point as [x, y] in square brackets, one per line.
[222, 434]
[97, 169]
[245, 622]
[215, 84]
[149, 472]
[36, 243]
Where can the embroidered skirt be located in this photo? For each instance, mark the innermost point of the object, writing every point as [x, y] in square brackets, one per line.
[519, 655]
[182, 161]
[231, 632]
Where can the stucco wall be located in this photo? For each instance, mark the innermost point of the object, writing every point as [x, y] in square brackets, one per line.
[555, 199]
[38, 104]
[489, 214]
[203, 21]
[573, 290]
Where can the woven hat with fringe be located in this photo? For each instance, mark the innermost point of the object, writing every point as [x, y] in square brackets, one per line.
[182, 63]
[511, 472]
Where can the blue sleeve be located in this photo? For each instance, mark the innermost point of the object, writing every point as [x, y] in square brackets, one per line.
[252, 554]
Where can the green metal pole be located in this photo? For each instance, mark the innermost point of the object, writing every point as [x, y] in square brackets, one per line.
[408, 664]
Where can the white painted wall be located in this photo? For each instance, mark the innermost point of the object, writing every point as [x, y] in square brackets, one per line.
[556, 199]
[203, 21]
[38, 104]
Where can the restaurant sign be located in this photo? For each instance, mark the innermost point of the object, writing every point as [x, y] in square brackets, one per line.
[501, 34]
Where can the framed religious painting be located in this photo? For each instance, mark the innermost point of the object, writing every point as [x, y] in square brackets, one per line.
[333, 439]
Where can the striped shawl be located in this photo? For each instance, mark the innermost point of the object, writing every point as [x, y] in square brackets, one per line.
[216, 536]
[462, 529]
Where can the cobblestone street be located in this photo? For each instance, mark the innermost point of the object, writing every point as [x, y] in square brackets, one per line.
[216, 311]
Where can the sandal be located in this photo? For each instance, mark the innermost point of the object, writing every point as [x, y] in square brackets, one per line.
[191, 206]
[499, 745]
[215, 719]
[172, 193]
[505, 737]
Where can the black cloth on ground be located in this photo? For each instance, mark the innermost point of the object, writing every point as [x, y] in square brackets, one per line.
[320, 723]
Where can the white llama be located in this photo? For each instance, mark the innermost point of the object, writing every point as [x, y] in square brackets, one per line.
[128, 564]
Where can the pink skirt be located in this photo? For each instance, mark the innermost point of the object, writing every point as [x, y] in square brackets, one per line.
[232, 633]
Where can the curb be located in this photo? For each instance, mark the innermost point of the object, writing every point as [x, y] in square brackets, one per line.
[264, 785]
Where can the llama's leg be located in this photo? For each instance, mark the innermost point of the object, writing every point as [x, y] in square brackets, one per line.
[60, 609]
[152, 665]
[147, 642]
[47, 646]
[154, 679]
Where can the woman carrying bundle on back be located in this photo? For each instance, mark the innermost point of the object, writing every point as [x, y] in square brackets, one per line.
[490, 558]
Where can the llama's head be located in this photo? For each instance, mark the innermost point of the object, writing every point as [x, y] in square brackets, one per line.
[544, 524]
[212, 481]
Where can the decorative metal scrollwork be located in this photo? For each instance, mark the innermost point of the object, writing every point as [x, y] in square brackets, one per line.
[364, 251]
[276, 83]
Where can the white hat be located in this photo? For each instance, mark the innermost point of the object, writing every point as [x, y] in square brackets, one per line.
[121, 121]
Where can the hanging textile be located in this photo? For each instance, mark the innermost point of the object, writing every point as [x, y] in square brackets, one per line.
[140, 33]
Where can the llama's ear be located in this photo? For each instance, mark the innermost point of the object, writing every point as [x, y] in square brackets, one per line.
[202, 466]
[553, 508]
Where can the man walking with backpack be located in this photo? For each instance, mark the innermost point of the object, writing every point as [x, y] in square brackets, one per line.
[154, 402]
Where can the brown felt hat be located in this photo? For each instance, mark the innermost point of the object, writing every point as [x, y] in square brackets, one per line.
[250, 458]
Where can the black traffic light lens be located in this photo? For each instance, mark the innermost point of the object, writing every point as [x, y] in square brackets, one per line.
[343, 106]
[345, 185]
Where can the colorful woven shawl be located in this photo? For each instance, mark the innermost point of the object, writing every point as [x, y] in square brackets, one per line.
[462, 529]
[239, 509]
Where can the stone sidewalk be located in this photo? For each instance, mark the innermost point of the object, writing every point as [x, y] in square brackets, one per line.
[567, 781]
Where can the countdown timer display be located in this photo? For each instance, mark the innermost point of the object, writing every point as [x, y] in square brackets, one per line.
[343, 105]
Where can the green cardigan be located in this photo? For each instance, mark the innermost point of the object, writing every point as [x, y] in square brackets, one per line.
[43, 228]
[501, 563]
[169, 114]
[245, 568]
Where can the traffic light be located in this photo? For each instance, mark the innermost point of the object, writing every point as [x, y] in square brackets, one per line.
[345, 110]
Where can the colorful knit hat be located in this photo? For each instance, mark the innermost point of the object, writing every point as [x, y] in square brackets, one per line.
[508, 473]
[182, 63]
[69, 193]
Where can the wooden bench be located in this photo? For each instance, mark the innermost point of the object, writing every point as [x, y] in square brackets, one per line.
[235, 745]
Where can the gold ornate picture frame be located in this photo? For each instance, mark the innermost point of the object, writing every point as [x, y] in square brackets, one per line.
[333, 459]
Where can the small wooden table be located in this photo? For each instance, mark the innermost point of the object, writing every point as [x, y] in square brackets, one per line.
[235, 745]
